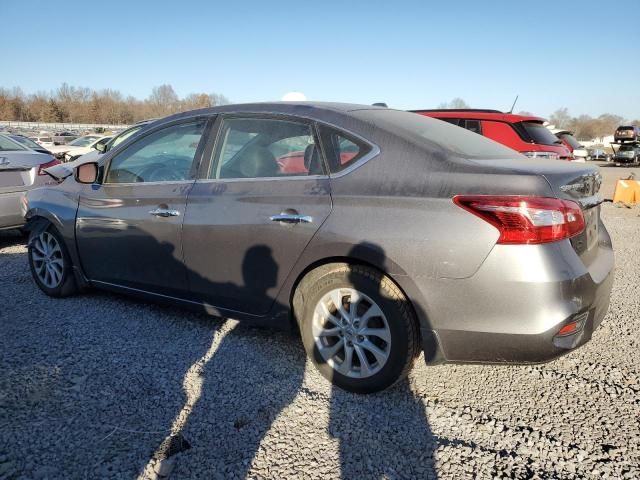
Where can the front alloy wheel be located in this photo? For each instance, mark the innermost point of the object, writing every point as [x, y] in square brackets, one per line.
[47, 259]
[50, 264]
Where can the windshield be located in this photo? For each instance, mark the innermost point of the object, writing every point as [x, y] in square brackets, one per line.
[626, 148]
[540, 134]
[83, 141]
[26, 142]
[571, 140]
[8, 145]
[122, 137]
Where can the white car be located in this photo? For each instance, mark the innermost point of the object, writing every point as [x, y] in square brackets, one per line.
[45, 141]
[78, 147]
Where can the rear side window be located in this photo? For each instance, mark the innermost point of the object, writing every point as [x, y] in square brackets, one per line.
[473, 126]
[342, 149]
[265, 147]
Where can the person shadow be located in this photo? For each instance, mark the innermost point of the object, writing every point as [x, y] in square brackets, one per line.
[244, 381]
[250, 375]
[385, 435]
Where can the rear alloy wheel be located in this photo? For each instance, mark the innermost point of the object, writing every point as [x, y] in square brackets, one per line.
[50, 264]
[351, 333]
[357, 327]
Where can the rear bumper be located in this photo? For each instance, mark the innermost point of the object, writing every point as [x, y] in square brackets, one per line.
[11, 210]
[513, 308]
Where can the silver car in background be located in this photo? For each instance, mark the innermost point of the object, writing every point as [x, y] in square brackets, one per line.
[21, 169]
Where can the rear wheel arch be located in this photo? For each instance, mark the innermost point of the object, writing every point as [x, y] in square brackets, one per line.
[324, 266]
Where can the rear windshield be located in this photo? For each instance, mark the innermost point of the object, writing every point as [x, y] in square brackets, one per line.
[26, 141]
[435, 133]
[626, 148]
[571, 140]
[538, 133]
[625, 128]
[8, 145]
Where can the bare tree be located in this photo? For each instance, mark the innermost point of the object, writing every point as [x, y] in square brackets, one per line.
[561, 118]
[457, 104]
[83, 105]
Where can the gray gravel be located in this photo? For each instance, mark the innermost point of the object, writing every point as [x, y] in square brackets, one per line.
[100, 386]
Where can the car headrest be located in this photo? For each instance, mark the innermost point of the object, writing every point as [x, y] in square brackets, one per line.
[259, 162]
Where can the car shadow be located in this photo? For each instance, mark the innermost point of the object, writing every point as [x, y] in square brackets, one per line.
[10, 238]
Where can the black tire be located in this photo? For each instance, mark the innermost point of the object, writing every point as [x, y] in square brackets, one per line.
[404, 347]
[67, 284]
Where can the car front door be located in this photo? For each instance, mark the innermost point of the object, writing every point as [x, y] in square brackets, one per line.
[264, 195]
[128, 227]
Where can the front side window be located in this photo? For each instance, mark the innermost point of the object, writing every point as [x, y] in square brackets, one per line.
[265, 147]
[163, 156]
[342, 149]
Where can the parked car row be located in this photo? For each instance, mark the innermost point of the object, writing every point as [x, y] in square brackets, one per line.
[359, 224]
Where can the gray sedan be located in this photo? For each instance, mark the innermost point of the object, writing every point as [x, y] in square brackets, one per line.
[379, 234]
[21, 169]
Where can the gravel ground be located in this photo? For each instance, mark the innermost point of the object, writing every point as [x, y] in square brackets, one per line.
[100, 386]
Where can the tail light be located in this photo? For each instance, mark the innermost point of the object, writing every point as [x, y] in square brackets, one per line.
[550, 155]
[53, 162]
[526, 220]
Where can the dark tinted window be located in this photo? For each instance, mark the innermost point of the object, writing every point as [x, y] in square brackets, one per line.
[163, 156]
[265, 147]
[570, 139]
[452, 121]
[538, 133]
[342, 149]
[472, 126]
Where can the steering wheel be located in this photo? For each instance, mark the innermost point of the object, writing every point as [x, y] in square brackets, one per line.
[163, 174]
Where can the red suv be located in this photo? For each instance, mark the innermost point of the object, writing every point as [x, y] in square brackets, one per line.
[523, 133]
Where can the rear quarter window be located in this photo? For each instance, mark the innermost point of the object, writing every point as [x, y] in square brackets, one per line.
[342, 149]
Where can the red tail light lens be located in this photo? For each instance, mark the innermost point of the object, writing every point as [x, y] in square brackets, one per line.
[526, 220]
[53, 162]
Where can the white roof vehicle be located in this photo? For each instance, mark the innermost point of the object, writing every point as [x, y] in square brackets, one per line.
[78, 147]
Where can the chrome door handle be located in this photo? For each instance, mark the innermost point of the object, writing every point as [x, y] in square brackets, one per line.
[164, 212]
[291, 218]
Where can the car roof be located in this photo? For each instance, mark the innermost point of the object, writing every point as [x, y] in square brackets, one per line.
[300, 108]
[480, 114]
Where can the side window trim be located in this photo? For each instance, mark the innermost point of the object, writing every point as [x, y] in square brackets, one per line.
[106, 167]
[211, 153]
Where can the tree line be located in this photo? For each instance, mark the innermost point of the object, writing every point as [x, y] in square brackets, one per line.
[84, 105]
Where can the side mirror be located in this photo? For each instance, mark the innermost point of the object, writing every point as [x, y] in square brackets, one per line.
[86, 173]
[101, 147]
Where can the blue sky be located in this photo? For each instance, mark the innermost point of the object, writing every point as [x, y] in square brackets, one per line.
[410, 54]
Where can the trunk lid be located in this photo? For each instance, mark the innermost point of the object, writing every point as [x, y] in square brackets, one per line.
[18, 170]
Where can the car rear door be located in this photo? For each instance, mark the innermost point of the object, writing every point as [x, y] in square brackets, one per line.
[263, 195]
[128, 228]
